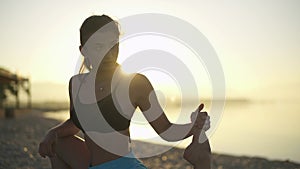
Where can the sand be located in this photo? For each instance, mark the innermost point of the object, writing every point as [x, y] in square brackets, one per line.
[20, 137]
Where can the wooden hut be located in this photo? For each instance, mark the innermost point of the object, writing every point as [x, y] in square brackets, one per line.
[18, 83]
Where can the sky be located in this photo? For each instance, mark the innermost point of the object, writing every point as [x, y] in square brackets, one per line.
[257, 41]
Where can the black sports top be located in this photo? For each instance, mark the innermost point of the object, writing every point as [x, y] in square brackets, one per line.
[109, 120]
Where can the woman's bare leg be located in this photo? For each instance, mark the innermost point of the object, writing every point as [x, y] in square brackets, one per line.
[56, 162]
[71, 153]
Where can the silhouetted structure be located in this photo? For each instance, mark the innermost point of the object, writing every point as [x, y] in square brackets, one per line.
[16, 83]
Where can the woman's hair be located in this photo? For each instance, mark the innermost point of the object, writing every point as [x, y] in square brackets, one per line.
[94, 23]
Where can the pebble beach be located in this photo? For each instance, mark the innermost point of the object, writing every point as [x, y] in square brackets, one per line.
[20, 137]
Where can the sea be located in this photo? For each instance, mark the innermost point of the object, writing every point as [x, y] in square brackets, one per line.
[267, 129]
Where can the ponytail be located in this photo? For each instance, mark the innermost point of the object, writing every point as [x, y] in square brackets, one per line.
[85, 65]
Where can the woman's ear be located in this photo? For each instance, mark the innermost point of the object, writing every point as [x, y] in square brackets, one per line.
[80, 49]
[83, 50]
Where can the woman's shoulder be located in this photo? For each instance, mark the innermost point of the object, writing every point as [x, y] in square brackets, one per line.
[140, 82]
[75, 80]
[78, 78]
[135, 81]
[140, 79]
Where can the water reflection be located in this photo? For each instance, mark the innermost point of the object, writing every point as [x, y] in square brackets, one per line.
[267, 129]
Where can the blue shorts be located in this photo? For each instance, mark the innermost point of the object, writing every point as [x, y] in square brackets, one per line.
[127, 162]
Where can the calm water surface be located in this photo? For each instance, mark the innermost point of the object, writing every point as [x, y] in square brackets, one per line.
[264, 129]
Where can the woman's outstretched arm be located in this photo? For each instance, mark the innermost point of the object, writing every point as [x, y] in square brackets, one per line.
[67, 128]
[64, 129]
[142, 95]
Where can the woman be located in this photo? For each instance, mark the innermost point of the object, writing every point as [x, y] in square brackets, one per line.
[105, 86]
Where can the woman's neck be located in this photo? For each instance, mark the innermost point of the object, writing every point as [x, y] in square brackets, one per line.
[105, 71]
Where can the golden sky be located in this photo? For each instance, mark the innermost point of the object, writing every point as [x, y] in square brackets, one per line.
[257, 41]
